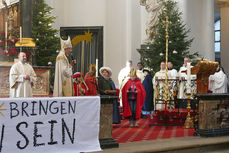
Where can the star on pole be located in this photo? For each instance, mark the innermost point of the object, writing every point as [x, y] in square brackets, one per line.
[86, 37]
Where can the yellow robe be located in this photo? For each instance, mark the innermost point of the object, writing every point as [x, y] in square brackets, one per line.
[63, 77]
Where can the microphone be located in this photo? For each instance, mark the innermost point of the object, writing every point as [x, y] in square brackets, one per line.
[73, 61]
[71, 56]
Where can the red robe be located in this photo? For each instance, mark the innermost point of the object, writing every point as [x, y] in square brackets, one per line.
[91, 84]
[77, 91]
[140, 98]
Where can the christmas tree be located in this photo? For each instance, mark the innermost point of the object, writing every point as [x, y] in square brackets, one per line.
[178, 40]
[44, 34]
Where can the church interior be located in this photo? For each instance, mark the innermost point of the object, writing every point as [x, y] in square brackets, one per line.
[158, 68]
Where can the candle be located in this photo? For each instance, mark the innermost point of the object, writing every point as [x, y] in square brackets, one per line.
[6, 30]
[96, 64]
[188, 77]
[6, 37]
[20, 36]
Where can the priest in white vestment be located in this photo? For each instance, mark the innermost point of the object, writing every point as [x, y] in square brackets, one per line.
[21, 78]
[183, 76]
[140, 73]
[159, 91]
[124, 73]
[218, 81]
[172, 83]
[172, 71]
[123, 77]
[63, 84]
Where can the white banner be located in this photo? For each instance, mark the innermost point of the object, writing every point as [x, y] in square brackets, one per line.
[49, 125]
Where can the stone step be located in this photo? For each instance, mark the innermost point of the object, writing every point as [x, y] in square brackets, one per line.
[220, 151]
[175, 145]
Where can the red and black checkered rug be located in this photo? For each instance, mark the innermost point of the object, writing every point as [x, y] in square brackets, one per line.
[122, 133]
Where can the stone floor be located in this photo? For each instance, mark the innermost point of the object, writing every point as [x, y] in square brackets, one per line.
[175, 145]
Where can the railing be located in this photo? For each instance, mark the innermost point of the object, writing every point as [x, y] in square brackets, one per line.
[176, 90]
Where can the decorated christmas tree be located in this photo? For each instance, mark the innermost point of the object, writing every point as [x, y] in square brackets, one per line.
[44, 34]
[179, 43]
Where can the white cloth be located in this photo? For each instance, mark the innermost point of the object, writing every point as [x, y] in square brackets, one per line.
[63, 75]
[173, 73]
[70, 124]
[218, 82]
[182, 74]
[123, 74]
[19, 87]
[140, 75]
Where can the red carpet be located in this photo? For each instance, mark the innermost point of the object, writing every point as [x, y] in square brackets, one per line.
[122, 133]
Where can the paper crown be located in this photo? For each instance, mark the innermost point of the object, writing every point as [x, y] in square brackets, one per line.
[66, 43]
[76, 75]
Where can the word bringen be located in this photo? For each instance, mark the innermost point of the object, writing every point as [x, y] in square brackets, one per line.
[35, 108]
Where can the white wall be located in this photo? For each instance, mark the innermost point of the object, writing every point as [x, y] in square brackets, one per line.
[198, 15]
[136, 32]
[78, 12]
[115, 36]
[122, 34]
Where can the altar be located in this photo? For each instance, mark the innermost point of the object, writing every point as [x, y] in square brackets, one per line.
[213, 115]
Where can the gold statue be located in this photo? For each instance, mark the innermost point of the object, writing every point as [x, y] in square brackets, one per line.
[203, 70]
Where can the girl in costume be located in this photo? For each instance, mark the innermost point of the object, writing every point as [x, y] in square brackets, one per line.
[80, 87]
[133, 95]
[91, 82]
[107, 87]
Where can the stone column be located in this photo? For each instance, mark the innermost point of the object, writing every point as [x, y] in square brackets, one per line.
[224, 38]
[208, 29]
[26, 18]
[198, 15]
[144, 16]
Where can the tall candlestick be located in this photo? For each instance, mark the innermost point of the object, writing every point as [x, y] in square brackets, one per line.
[6, 30]
[96, 64]
[188, 122]
[188, 77]
[20, 35]
[82, 58]
[6, 37]
[20, 39]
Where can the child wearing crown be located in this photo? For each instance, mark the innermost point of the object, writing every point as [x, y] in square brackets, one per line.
[80, 87]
